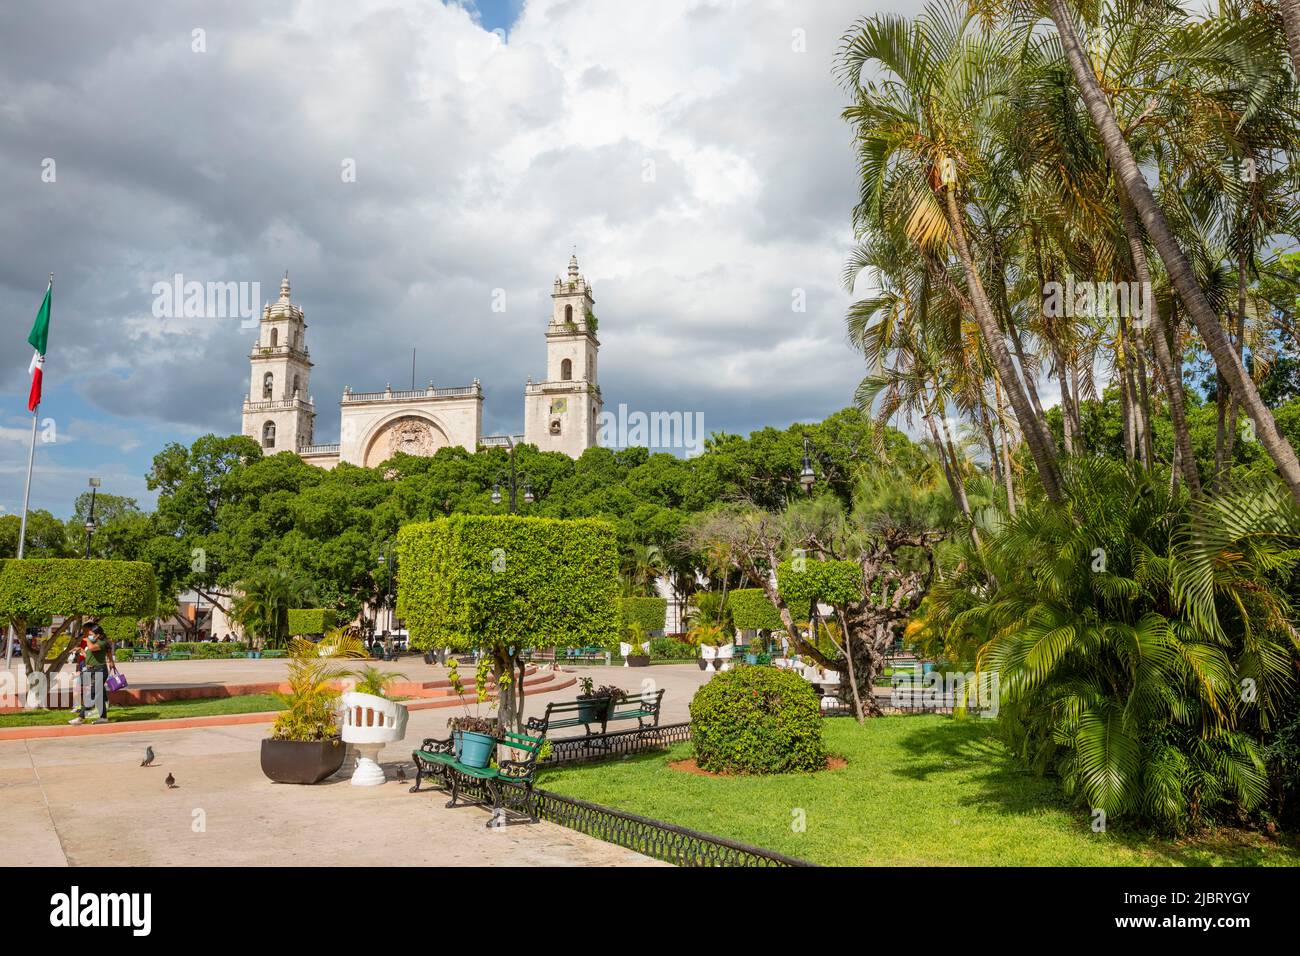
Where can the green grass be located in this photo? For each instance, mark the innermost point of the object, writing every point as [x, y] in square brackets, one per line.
[917, 791]
[245, 704]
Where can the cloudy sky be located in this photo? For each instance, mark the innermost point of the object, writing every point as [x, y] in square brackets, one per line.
[691, 151]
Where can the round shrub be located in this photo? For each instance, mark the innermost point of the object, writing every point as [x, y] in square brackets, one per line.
[757, 720]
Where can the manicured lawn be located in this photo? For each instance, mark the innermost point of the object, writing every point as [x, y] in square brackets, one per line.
[919, 791]
[246, 704]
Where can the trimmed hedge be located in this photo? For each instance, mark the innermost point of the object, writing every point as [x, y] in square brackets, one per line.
[757, 720]
[649, 612]
[671, 649]
[310, 620]
[752, 611]
[119, 628]
[836, 583]
[36, 588]
[466, 581]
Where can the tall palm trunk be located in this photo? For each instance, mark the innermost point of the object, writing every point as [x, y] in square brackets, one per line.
[955, 484]
[1233, 406]
[1005, 449]
[1176, 264]
[1291, 23]
[1040, 443]
[1160, 337]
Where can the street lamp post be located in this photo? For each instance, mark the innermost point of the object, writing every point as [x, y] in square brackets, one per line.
[90, 520]
[806, 476]
[387, 558]
[514, 484]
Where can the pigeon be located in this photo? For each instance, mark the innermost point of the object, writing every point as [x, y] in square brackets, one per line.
[148, 757]
[171, 782]
[401, 774]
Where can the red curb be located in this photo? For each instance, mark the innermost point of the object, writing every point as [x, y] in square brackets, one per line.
[214, 720]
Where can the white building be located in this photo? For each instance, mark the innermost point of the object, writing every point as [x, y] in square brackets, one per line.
[560, 412]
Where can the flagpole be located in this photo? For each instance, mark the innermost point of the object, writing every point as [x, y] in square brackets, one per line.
[22, 524]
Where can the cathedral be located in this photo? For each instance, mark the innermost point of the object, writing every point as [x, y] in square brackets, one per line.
[561, 412]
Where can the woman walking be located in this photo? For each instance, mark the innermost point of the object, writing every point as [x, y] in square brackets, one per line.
[94, 674]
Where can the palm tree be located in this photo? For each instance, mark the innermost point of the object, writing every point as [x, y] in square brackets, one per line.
[264, 599]
[919, 132]
[1121, 629]
[1162, 236]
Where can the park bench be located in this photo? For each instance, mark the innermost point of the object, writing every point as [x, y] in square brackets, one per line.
[544, 654]
[510, 782]
[579, 713]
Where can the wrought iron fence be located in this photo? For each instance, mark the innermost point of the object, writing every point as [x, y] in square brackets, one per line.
[654, 838]
[618, 743]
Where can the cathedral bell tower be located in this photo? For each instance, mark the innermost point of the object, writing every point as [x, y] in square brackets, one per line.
[278, 411]
[561, 413]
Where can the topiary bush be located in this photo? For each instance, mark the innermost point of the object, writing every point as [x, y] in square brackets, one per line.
[649, 612]
[310, 620]
[757, 720]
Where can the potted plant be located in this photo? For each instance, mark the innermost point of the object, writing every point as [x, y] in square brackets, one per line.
[636, 651]
[595, 703]
[473, 735]
[305, 744]
[714, 644]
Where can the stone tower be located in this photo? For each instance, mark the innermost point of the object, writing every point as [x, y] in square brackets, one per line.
[278, 410]
[560, 413]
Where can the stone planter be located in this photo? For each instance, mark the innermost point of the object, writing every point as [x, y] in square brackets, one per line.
[638, 660]
[301, 761]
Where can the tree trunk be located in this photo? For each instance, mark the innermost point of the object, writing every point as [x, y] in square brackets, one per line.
[955, 484]
[987, 428]
[1004, 447]
[1039, 446]
[848, 658]
[1291, 23]
[1240, 331]
[1160, 339]
[1144, 404]
[1171, 254]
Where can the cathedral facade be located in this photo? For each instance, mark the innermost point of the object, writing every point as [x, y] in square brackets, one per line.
[561, 412]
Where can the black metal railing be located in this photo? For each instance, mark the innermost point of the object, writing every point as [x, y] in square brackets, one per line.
[617, 743]
[654, 838]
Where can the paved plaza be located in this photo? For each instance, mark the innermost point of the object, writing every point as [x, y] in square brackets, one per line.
[85, 800]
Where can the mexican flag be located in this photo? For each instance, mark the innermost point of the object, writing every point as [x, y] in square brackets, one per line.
[40, 335]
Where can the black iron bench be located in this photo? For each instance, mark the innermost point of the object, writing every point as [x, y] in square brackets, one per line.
[586, 713]
[509, 783]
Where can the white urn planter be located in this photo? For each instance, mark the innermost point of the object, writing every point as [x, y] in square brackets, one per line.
[369, 723]
[717, 658]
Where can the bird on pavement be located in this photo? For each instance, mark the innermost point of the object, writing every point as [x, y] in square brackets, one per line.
[148, 757]
[171, 782]
[401, 773]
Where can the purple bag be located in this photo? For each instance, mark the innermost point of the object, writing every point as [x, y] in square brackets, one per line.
[116, 680]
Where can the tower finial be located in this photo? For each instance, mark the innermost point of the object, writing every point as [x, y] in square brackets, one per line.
[284, 287]
[573, 264]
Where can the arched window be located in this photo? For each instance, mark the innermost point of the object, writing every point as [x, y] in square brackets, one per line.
[268, 435]
[268, 386]
[566, 370]
[295, 386]
[568, 315]
[275, 337]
